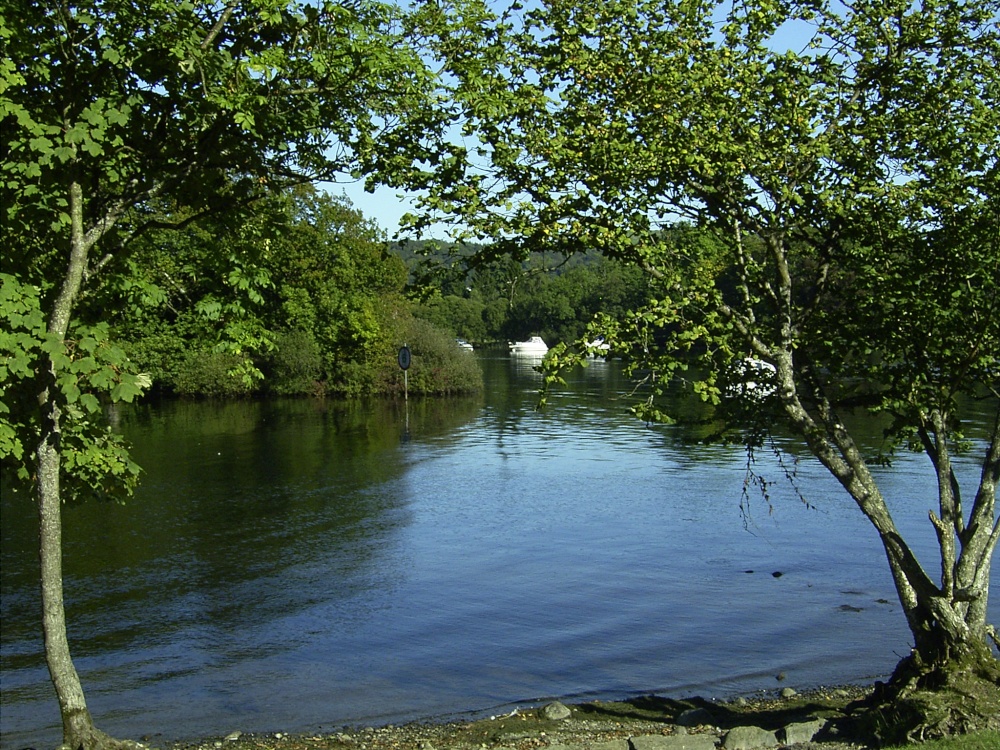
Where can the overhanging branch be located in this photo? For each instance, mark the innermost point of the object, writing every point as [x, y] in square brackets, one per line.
[219, 25]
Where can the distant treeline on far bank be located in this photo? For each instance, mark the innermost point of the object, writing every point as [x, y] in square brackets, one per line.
[306, 297]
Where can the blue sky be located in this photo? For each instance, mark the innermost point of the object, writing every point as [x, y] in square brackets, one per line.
[384, 206]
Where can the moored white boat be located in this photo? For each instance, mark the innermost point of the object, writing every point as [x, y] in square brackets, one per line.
[533, 347]
[598, 347]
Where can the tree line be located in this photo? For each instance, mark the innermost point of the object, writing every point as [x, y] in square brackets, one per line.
[504, 300]
[300, 296]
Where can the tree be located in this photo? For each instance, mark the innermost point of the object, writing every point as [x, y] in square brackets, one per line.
[843, 227]
[306, 282]
[463, 316]
[186, 306]
[108, 106]
[335, 280]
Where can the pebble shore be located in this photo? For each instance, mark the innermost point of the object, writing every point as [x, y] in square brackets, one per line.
[813, 720]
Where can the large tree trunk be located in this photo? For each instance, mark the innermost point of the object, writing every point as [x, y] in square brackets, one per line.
[78, 726]
[79, 732]
[948, 621]
[950, 682]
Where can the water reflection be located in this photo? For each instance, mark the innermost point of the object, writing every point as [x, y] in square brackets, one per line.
[249, 515]
[295, 564]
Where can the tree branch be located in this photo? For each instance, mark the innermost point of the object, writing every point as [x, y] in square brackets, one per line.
[947, 526]
[741, 265]
[983, 508]
[217, 28]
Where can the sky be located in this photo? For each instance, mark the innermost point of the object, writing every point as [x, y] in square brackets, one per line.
[385, 205]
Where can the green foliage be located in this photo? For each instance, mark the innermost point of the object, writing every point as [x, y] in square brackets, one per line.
[207, 372]
[89, 371]
[974, 741]
[301, 297]
[463, 315]
[439, 366]
[335, 279]
[296, 365]
[559, 306]
[175, 90]
[197, 288]
[20, 341]
[507, 301]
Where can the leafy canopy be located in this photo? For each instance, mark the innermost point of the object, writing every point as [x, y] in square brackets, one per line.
[111, 109]
[841, 200]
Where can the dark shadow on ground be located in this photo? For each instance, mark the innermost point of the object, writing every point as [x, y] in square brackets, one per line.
[770, 715]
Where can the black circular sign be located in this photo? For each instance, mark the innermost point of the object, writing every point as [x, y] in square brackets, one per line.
[404, 357]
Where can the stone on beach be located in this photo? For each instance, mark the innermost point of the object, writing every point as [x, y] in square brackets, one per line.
[555, 711]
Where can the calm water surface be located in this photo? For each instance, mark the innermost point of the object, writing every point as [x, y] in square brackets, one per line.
[299, 565]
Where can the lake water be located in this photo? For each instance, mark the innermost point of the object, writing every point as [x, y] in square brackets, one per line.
[303, 565]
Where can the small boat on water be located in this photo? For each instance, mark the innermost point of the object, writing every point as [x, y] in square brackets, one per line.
[533, 347]
[598, 347]
[463, 344]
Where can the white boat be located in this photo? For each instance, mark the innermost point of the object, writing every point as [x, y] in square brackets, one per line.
[463, 344]
[598, 347]
[533, 347]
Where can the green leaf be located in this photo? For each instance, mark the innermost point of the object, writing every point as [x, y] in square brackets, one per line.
[90, 402]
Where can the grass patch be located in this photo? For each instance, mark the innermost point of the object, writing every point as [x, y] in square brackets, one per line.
[977, 741]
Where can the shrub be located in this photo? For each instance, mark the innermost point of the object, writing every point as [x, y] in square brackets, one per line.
[296, 366]
[204, 372]
[439, 366]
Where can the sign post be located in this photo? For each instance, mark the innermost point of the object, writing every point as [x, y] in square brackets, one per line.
[404, 364]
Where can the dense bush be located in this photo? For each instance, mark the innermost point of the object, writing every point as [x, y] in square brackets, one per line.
[438, 366]
[296, 365]
[206, 372]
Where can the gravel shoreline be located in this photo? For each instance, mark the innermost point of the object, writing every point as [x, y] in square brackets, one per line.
[659, 724]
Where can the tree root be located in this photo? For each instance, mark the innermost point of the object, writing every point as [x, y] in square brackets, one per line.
[924, 702]
[95, 739]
